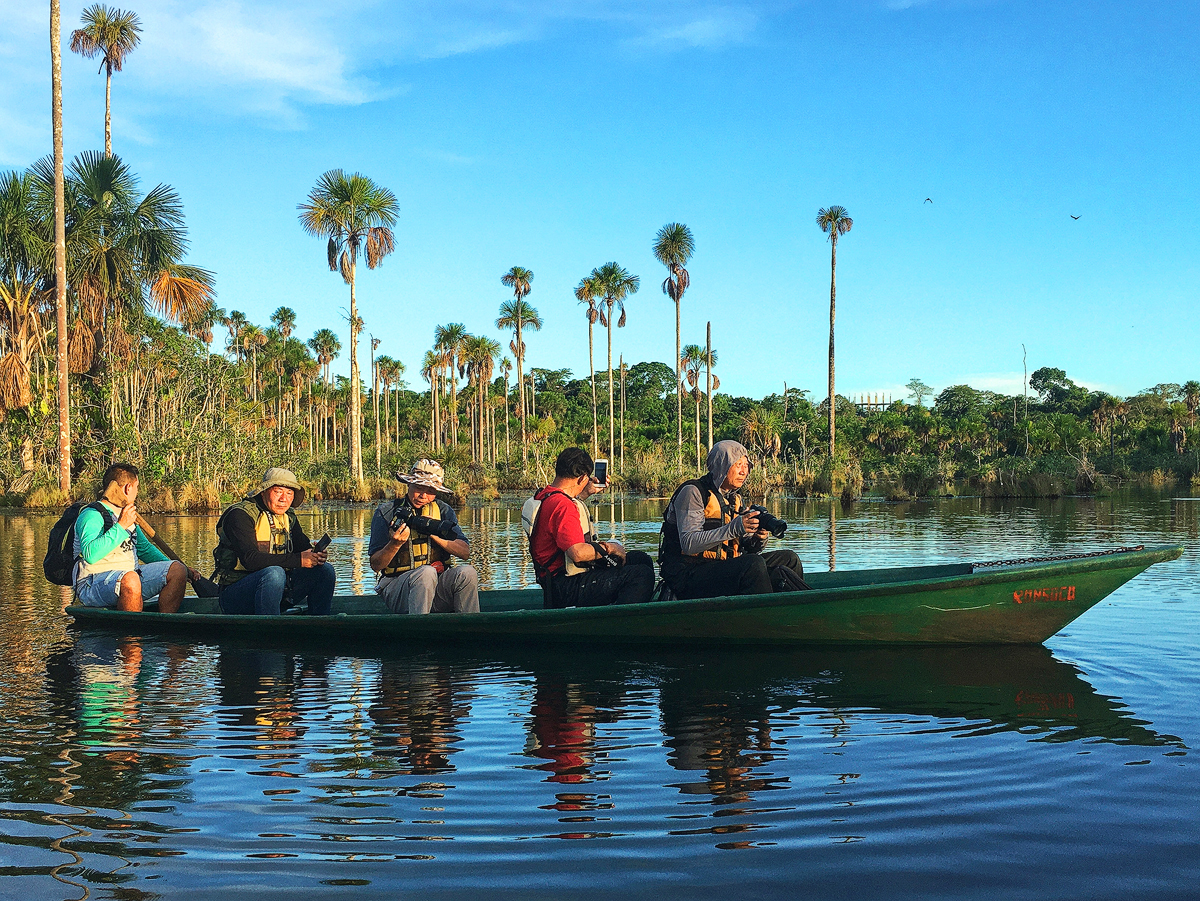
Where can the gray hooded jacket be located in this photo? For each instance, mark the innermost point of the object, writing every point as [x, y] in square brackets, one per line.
[687, 510]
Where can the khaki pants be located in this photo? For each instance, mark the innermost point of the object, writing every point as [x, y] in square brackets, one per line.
[422, 590]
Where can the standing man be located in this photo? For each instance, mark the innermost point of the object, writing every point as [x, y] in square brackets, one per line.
[109, 544]
[415, 541]
[711, 545]
[263, 554]
[573, 568]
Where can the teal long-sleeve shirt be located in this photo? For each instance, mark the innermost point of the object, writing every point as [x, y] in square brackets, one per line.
[95, 544]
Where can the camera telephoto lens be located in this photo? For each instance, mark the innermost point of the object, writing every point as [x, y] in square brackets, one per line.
[772, 524]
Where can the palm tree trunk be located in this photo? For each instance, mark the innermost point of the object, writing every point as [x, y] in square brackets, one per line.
[521, 385]
[708, 378]
[832, 312]
[611, 418]
[375, 403]
[355, 424]
[60, 255]
[697, 428]
[592, 371]
[507, 417]
[621, 367]
[678, 396]
[108, 111]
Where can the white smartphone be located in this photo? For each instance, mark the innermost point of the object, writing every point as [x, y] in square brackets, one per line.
[602, 472]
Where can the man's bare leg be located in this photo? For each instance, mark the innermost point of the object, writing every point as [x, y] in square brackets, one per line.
[171, 596]
[130, 597]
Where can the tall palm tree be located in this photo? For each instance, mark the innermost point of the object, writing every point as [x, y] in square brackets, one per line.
[60, 253]
[512, 315]
[588, 292]
[355, 214]
[480, 352]
[673, 247]
[616, 284]
[325, 347]
[111, 34]
[285, 320]
[835, 222]
[375, 342]
[451, 340]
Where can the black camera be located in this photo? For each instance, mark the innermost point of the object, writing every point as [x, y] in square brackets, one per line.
[772, 524]
[406, 516]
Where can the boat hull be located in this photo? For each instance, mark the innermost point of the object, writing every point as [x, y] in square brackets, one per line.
[915, 605]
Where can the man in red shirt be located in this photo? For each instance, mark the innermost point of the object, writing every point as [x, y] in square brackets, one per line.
[573, 568]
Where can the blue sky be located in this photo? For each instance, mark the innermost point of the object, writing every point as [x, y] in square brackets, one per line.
[559, 136]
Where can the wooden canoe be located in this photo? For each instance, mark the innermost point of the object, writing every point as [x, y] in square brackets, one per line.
[963, 603]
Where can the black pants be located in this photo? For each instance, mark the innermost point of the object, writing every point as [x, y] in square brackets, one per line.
[747, 574]
[632, 583]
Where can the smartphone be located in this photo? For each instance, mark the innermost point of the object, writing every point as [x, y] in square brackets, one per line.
[322, 543]
[602, 472]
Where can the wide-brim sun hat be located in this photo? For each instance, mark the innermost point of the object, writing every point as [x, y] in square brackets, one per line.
[284, 478]
[425, 473]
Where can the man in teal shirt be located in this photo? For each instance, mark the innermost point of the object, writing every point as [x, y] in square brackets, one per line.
[109, 546]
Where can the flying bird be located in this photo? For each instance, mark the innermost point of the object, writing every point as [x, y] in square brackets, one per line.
[929, 200]
[1073, 217]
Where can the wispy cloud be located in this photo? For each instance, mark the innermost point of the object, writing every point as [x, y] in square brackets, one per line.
[275, 59]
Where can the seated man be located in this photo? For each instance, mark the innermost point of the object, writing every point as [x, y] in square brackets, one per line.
[417, 571]
[109, 544]
[711, 546]
[573, 568]
[262, 554]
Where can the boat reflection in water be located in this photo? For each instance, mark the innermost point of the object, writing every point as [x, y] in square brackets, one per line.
[604, 743]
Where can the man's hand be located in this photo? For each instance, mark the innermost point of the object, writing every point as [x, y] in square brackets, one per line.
[194, 574]
[614, 548]
[750, 524]
[592, 487]
[128, 518]
[311, 558]
[399, 535]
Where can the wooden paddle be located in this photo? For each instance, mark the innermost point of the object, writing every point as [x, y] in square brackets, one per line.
[205, 588]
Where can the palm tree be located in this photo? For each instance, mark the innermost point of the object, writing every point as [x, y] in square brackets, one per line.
[588, 292]
[124, 253]
[480, 353]
[355, 215]
[513, 315]
[325, 347]
[375, 342]
[285, 320]
[673, 247]
[615, 284]
[60, 253]
[451, 340]
[111, 34]
[835, 222]
[1191, 399]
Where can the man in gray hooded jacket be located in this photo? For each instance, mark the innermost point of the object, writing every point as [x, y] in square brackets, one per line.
[711, 544]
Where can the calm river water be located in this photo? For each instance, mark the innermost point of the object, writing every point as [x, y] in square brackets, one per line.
[140, 768]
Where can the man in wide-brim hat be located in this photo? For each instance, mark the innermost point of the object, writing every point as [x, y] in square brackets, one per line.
[263, 555]
[416, 545]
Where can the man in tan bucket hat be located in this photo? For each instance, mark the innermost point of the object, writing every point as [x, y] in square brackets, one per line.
[416, 543]
[263, 555]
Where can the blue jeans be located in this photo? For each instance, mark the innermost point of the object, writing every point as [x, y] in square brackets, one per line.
[262, 592]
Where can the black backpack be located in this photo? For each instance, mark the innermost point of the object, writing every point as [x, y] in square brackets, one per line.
[59, 563]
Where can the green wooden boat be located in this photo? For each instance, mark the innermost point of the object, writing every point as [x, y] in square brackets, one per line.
[1006, 602]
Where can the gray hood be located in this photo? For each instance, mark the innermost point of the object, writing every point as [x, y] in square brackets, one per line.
[721, 458]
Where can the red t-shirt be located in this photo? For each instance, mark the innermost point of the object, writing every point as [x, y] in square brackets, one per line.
[556, 529]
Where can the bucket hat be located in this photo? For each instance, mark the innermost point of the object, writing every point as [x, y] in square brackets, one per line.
[425, 473]
[285, 478]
